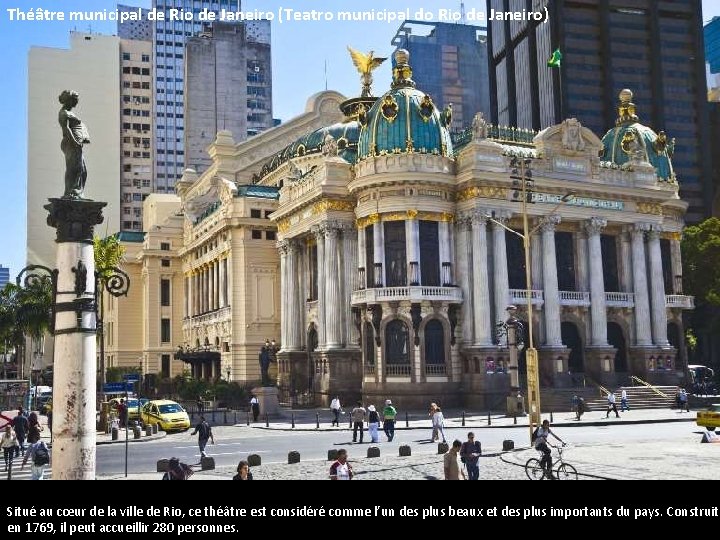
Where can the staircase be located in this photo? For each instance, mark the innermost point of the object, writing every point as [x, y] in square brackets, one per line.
[639, 397]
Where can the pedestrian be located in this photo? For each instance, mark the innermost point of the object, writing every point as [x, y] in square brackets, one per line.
[684, 401]
[199, 403]
[612, 406]
[450, 462]
[580, 407]
[470, 452]
[243, 471]
[540, 440]
[389, 415]
[439, 423]
[9, 444]
[122, 413]
[335, 408]
[21, 426]
[255, 407]
[431, 413]
[204, 433]
[373, 423]
[40, 455]
[34, 428]
[358, 415]
[624, 401]
[574, 403]
[341, 469]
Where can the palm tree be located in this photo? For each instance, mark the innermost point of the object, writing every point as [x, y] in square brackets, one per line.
[109, 254]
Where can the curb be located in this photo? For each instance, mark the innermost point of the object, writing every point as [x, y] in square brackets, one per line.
[158, 435]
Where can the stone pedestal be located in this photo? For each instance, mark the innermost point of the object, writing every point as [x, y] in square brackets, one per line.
[651, 365]
[341, 375]
[553, 368]
[600, 365]
[268, 398]
[75, 329]
[295, 371]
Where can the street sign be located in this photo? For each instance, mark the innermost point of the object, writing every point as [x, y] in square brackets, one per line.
[131, 377]
[114, 387]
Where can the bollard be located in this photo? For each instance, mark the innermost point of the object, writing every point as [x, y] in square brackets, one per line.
[317, 420]
[248, 418]
[293, 457]
[405, 451]
[373, 451]
[148, 430]
[136, 432]
[350, 422]
[267, 422]
[332, 454]
[213, 416]
[162, 465]
[292, 419]
[207, 463]
[508, 445]
[443, 448]
[489, 421]
[234, 417]
[407, 421]
[114, 433]
[514, 419]
[254, 460]
[463, 419]
[225, 417]
[155, 428]
[551, 417]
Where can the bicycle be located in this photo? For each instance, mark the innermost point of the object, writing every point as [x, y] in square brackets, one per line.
[535, 470]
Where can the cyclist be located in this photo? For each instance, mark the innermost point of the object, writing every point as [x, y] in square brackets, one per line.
[541, 444]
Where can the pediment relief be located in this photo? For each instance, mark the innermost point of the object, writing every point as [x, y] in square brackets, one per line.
[220, 190]
[570, 139]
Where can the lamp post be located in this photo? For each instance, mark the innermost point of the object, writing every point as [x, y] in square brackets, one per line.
[521, 175]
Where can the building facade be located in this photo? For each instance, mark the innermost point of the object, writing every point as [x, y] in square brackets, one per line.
[450, 62]
[656, 48]
[228, 73]
[397, 251]
[711, 33]
[4, 276]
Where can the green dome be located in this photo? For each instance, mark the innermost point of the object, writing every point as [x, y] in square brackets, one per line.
[404, 120]
[630, 141]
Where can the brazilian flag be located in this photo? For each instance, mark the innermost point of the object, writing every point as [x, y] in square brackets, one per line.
[555, 60]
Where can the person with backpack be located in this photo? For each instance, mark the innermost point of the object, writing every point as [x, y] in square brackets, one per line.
[540, 440]
[204, 433]
[21, 426]
[40, 455]
[389, 415]
[469, 455]
[177, 470]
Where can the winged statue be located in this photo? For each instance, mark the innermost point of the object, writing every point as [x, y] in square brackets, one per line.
[365, 64]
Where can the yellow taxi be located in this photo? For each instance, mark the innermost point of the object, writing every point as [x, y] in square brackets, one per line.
[168, 415]
[709, 418]
[132, 405]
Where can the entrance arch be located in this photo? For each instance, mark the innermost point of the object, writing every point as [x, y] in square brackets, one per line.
[572, 340]
[616, 338]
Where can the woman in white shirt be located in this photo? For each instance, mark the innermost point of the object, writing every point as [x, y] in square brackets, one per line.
[9, 444]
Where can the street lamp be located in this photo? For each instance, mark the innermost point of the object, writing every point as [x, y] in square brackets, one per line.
[521, 174]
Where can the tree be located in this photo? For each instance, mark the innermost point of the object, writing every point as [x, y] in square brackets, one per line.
[109, 253]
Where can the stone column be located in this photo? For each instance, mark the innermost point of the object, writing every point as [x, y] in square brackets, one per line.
[553, 336]
[349, 261]
[657, 288]
[502, 289]
[320, 240]
[412, 248]
[464, 271]
[187, 296]
[676, 264]
[293, 285]
[481, 287]
[582, 257]
[379, 251]
[536, 262]
[213, 285]
[284, 341]
[451, 250]
[626, 263]
[598, 311]
[332, 286]
[642, 304]
[444, 252]
[362, 283]
[74, 430]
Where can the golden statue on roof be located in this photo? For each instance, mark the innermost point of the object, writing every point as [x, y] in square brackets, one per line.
[365, 64]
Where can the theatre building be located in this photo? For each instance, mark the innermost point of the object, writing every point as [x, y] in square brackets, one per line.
[381, 251]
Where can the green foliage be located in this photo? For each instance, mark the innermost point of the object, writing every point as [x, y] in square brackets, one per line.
[701, 261]
[109, 253]
[690, 339]
[25, 311]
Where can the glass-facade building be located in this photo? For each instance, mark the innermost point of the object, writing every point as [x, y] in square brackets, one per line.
[712, 44]
[654, 47]
[169, 39]
[4, 276]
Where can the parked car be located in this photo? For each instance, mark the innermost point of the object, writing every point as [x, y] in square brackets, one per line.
[168, 415]
[710, 418]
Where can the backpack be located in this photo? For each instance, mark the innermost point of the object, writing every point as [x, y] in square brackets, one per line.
[41, 456]
[535, 435]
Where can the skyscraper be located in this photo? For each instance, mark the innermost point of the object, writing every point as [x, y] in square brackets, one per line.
[712, 44]
[227, 86]
[654, 48]
[450, 62]
[4, 276]
[169, 38]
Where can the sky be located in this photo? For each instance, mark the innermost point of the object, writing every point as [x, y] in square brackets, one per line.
[307, 57]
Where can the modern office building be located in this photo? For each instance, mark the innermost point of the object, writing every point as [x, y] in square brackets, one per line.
[450, 62]
[169, 38]
[4, 276]
[227, 86]
[137, 139]
[140, 28]
[711, 33]
[653, 47]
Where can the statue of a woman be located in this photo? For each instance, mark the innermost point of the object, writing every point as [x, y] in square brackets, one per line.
[75, 135]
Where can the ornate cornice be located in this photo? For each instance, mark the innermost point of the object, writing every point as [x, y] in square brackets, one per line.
[595, 225]
[650, 208]
[325, 205]
[482, 192]
[74, 219]
[548, 223]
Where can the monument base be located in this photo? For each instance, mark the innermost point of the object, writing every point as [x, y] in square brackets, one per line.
[268, 398]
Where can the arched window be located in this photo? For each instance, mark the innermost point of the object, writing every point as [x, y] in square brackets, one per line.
[369, 340]
[397, 348]
[434, 343]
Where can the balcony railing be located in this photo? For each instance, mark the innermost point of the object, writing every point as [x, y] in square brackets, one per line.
[679, 301]
[369, 369]
[378, 275]
[573, 298]
[619, 299]
[398, 369]
[414, 294]
[519, 296]
[435, 369]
